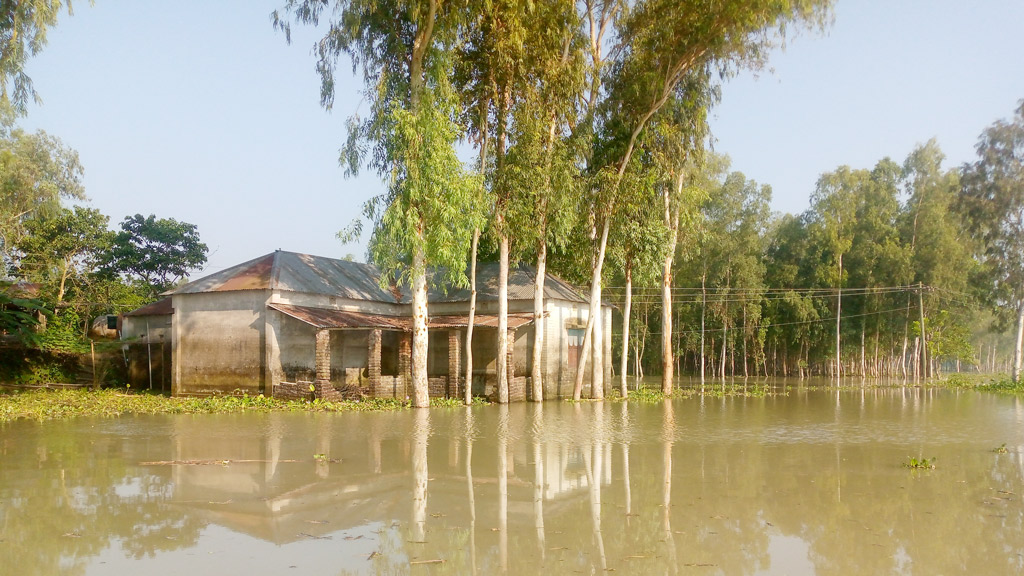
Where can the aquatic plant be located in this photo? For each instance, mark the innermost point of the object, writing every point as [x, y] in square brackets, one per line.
[1001, 449]
[56, 404]
[920, 463]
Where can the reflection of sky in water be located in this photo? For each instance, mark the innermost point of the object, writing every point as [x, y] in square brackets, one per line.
[788, 555]
[223, 551]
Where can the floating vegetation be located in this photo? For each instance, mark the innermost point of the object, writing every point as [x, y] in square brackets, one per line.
[1001, 449]
[920, 463]
[984, 382]
[59, 404]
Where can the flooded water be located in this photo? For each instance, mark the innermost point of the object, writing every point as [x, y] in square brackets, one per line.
[812, 482]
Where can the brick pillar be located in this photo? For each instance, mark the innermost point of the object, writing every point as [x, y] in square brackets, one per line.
[323, 362]
[323, 355]
[373, 361]
[404, 364]
[454, 343]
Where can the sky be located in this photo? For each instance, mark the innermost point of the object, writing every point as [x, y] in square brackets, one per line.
[200, 111]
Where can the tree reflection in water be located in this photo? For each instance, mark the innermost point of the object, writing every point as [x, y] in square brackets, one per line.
[777, 485]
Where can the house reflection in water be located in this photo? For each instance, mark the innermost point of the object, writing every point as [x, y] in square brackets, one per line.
[309, 476]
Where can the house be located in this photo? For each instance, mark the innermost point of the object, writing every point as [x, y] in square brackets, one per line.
[285, 323]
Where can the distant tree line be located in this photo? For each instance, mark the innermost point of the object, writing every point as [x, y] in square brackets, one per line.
[883, 275]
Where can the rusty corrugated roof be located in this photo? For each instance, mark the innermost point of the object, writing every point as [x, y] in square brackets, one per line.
[326, 318]
[294, 272]
[161, 307]
[330, 318]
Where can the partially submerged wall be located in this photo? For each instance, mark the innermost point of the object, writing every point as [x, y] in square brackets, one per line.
[219, 343]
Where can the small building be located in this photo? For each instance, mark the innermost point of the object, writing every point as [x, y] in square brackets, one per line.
[296, 325]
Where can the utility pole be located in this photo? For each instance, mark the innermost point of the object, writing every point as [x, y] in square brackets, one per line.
[924, 339]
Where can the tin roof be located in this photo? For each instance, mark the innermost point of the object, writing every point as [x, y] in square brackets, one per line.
[295, 272]
[520, 286]
[329, 318]
[161, 307]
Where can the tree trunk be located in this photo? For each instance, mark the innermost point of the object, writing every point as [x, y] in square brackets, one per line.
[468, 392]
[924, 337]
[1018, 347]
[501, 361]
[839, 315]
[703, 310]
[744, 336]
[420, 396]
[623, 391]
[593, 325]
[536, 376]
[672, 222]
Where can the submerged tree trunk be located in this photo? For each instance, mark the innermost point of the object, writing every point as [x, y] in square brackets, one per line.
[536, 376]
[623, 391]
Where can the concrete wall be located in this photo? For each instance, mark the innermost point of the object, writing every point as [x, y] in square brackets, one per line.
[135, 327]
[230, 342]
[218, 343]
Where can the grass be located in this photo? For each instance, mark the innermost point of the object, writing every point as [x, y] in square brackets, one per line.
[59, 404]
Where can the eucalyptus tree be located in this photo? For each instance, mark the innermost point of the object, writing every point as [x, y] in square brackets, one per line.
[639, 241]
[405, 52]
[520, 76]
[993, 201]
[737, 219]
[37, 172]
[832, 217]
[877, 257]
[492, 57]
[654, 46]
[676, 140]
[790, 265]
[931, 229]
[23, 28]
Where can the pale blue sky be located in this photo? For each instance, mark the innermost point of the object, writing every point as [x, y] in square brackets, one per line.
[199, 110]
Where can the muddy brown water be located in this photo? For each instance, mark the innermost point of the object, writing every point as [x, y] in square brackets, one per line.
[810, 482]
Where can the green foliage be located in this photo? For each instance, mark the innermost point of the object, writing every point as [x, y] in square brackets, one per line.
[20, 316]
[1001, 449]
[37, 171]
[63, 333]
[60, 250]
[23, 28]
[33, 367]
[157, 252]
[992, 202]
